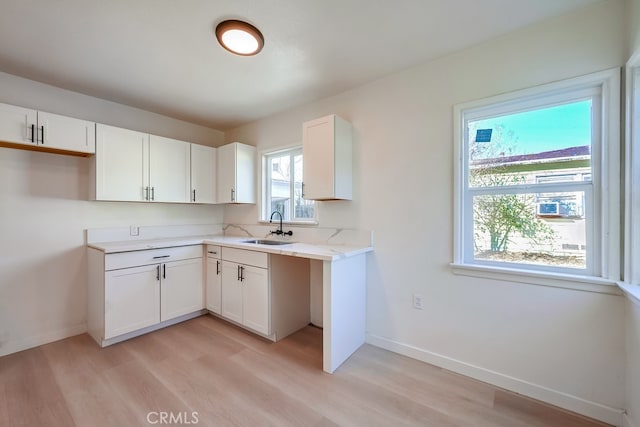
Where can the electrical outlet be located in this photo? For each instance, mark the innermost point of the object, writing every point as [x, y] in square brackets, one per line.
[134, 230]
[418, 302]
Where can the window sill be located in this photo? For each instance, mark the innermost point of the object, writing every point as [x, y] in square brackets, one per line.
[539, 278]
[631, 291]
[309, 223]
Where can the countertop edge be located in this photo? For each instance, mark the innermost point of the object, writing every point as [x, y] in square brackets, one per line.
[323, 252]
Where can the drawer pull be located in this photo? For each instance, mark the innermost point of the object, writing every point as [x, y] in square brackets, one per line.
[161, 256]
[213, 252]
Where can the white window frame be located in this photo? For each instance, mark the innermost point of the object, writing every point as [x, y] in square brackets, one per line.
[631, 283]
[604, 214]
[265, 198]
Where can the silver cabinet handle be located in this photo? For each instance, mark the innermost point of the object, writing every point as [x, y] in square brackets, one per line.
[158, 272]
[194, 194]
[233, 195]
[146, 193]
[164, 271]
[161, 256]
[153, 193]
[217, 268]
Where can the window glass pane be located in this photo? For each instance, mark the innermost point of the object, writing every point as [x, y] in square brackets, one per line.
[280, 185]
[546, 229]
[517, 148]
[304, 209]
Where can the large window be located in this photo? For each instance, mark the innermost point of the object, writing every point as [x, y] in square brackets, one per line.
[282, 187]
[535, 179]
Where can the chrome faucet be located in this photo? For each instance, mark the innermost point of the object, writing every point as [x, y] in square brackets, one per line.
[279, 231]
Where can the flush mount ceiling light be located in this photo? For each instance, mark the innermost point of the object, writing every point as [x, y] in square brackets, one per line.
[239, 37]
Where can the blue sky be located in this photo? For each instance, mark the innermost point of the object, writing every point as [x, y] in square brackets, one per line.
[553, 128]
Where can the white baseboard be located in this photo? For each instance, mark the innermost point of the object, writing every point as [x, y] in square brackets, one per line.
[554, 397]
[152, 328]
[627, 421]
[34, 341]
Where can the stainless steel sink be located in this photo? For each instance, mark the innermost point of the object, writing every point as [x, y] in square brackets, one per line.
[267, 242]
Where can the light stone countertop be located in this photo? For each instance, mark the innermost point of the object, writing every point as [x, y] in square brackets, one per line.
[298, 249]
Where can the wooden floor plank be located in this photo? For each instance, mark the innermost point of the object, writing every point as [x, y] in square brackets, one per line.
[226, 376]
[31, 394]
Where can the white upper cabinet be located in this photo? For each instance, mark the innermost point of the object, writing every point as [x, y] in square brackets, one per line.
[66, 133]
[236, 173]
[37, 130]
[169, 169]
[203, 174]
[119, 171]
[327, 156]
[18, 125]
[135, 166]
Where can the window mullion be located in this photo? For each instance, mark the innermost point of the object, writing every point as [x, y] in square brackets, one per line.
[292, 184]
[574, 186]
[267, 201]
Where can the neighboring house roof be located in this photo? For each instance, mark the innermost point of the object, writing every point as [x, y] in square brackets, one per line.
[571, 153]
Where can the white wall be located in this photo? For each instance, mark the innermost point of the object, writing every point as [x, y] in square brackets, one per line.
[632, 373]
[560, 345]
[44, 210]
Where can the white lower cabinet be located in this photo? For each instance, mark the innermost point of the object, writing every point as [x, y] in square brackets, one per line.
[245, 295]
[231, 299]
[256, 295]
[181, 290]
[133, 291]
[214, 279]
[131, 297]
[266, 293]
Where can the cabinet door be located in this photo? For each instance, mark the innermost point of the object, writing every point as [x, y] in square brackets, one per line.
[245, 174]
[169, 169]
[203, 174]
[256, 299]
[182, 290]
[17, 125]
[226, 174]
[131, 299]
[66, 133]
[119, 164]
[214, 284]
[231, 304]
[318, 156]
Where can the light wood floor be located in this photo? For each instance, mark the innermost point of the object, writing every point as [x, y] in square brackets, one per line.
[230, 377]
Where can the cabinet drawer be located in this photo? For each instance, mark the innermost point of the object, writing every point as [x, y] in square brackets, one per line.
[241, 256]
[151, 256]
[213, 251]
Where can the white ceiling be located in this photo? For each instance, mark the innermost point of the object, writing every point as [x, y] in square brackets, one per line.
[162, 55]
